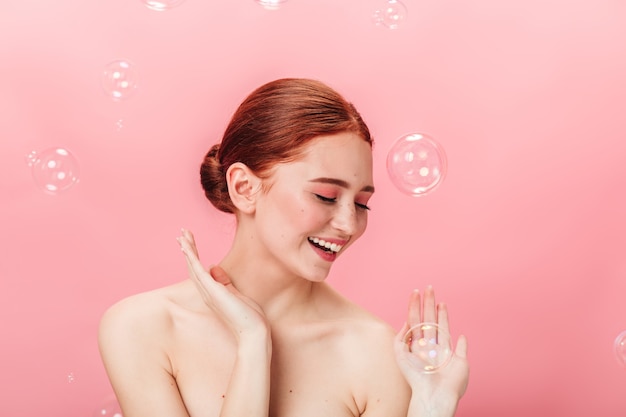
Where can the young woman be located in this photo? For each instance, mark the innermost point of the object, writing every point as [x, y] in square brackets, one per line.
[260, 333]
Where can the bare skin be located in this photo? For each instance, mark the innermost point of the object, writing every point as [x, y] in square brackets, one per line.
[319, 367]
[267, 337]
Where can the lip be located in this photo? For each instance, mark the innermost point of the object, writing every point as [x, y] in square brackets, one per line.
[340, 242]
[325, 255]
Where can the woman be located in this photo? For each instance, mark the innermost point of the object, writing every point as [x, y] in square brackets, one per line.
[261, 333]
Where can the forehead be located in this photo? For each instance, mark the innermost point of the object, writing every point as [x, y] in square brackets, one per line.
[343, 156]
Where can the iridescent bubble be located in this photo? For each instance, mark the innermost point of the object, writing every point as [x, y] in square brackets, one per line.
[430, 347]
[109, 408]
[271, 4]
[620, 348]
[161, 5]
[416, 164]
[391, 14]
[54, 169]
[119, 79]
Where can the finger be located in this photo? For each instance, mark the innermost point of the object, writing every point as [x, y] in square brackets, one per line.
[219, 275]
[400, 341]
[415, 315]
[414, 318]
[189, 236]
[196, 270]
[400, 336]
[461, 347]
[443, 337]
[430, 313]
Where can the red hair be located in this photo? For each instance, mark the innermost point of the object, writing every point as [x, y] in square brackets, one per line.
[273, 125]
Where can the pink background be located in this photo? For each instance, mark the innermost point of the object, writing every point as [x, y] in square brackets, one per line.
[525, 240]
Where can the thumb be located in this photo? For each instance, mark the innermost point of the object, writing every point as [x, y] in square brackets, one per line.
[461, 347]
[219, 275]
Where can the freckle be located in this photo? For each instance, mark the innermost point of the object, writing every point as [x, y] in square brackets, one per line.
[290, 391]
[223, 396]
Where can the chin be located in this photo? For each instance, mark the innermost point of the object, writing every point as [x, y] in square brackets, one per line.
[318, 275]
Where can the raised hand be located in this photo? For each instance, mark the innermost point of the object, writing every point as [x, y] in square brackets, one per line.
[242, 315]
[438, 392]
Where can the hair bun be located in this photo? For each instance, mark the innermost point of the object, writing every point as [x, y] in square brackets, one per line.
[213, 180]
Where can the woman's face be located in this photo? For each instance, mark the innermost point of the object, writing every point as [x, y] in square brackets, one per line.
[316, 206]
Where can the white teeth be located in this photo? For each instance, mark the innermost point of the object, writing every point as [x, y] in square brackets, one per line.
[328, 245]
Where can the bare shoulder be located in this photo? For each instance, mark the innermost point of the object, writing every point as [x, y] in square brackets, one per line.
[139, 321]
[368, 343]
[144, 312]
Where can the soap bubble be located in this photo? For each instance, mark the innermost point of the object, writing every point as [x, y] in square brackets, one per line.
[391, 14]
[119, 79]
[271, 4]
[54, 169]
[430, 347]
[161, 5]
[620, 348]
[110, 408]
[416, 164]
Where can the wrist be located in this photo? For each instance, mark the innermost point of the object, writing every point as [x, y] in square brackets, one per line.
[256, 343]
[433, 406]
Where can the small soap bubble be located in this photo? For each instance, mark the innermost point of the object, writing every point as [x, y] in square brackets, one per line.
[109, 408]
[54, 170]
[71, 378]
[416, 164]
[391, 14]
[119, 79]
[161, 5]
[620, 348]
[271, 4]
[119, 124]
[430, 347]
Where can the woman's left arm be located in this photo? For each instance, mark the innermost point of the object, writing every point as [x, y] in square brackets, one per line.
[396, 386]
[433, 394]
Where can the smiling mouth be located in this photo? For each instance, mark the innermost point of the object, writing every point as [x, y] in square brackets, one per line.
[326, 246]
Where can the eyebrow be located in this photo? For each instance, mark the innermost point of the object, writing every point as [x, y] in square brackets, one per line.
[341, 183]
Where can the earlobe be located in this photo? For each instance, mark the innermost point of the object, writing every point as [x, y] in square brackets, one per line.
[243, 185]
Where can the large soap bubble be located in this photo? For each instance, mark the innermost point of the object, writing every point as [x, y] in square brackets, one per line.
[109, 408]
[620, 348]
[161, 5]
[429, 345]
[416, 164]
[54, 169]
[119, 79]
[391, 14]
[271, 4]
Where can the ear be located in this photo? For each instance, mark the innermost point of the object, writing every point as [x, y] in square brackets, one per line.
[243, 186]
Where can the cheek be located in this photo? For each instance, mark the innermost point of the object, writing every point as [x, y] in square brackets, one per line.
[362, 223]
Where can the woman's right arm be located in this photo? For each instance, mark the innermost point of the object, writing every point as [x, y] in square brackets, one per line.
[132, 334]
[248, 393]
[130, 339]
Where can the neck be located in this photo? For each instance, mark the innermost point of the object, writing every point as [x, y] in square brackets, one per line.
[280, 294]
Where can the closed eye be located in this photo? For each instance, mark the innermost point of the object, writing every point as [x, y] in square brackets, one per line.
[334, 200]
[326, 199]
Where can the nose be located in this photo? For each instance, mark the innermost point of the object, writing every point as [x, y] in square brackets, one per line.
[345, 219]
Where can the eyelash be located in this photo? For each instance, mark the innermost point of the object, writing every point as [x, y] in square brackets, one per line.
[334, 200]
